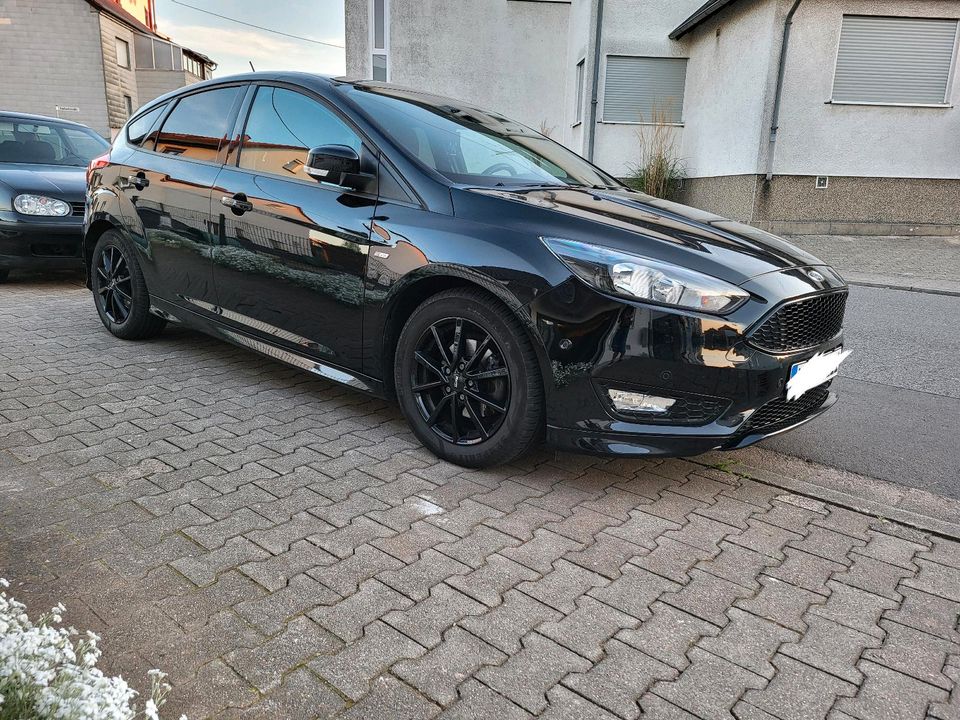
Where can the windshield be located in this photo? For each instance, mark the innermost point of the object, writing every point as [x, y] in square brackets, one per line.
[48, 143]
[475, 147]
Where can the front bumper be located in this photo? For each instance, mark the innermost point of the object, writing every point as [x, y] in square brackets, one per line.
[41, 244]
[729, 394]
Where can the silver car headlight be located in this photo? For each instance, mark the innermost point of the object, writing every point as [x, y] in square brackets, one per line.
[640, 278]
[40, 205]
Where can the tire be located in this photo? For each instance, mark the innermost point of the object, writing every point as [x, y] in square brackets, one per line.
[4, 274]
[119, 291]
[501, 369]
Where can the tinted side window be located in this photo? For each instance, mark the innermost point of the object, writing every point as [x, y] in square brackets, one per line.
[198, 124]
[138, 129]
[282, 128]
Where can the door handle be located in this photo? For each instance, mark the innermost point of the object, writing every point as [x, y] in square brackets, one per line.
[238, 203]
[139, 181]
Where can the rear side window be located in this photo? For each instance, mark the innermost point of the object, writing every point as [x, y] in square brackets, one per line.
[282, 128]
[198, 125]
[138, 129]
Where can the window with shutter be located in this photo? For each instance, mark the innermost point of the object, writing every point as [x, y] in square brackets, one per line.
[642, 89]
[895, 60]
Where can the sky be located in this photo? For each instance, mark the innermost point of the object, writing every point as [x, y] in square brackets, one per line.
[232, 45]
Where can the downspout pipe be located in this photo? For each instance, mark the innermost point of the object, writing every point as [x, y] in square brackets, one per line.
[778, 93]
[594, 91]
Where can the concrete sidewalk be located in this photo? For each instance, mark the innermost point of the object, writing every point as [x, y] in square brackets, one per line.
[285, 549]
[923, 264]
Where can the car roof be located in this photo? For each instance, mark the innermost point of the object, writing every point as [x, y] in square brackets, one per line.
[39, 118]
[314, 80]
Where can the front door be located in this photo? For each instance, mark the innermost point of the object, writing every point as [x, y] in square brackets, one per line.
[292, 252]
[169, 181]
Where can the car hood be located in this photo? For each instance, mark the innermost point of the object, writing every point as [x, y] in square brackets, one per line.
[644, 225]
[60, 181]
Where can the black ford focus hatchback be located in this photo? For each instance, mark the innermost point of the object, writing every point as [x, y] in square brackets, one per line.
[494, 282]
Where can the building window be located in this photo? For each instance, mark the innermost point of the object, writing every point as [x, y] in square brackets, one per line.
[380, 39]
[193, 66]
[128, 104]
[123, 52]
[579, 110]
[644, 89]
[894, 60]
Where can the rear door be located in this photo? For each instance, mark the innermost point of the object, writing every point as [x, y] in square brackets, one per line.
[169, 181]
[292, 250]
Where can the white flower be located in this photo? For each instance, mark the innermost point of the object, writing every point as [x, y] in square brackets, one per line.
[44, 671]
[150, 710]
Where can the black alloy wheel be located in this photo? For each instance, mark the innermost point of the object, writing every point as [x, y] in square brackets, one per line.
[119, 290]
[114, 285]
[461, 381]
[468, 379]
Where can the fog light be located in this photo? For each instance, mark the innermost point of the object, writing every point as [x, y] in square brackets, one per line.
[631, 402]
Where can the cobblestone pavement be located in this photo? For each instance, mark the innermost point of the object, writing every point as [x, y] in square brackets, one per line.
[285, 549]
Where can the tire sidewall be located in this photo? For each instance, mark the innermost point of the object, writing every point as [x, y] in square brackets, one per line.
[508, 440]
[140, 305]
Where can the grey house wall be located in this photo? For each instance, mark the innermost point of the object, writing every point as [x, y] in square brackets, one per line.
[64, 52]
[37, 74]
[891, 169]
[118, 81]
[473, 50]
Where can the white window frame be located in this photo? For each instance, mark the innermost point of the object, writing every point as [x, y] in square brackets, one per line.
[602, 90]
[118, 41]
[385, 50]
[579, 90]
[948, 97]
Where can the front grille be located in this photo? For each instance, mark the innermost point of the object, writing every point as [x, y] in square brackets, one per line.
[695, 411]
[802, 324]
[782, 413]
[77, 208]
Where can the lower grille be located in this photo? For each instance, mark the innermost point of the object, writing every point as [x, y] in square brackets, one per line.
[76, 209]
[782, 413]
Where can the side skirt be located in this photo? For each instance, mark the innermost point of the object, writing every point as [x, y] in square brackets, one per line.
[211, 326]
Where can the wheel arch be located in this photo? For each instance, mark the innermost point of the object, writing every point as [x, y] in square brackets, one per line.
[417, 291]
[94, 232]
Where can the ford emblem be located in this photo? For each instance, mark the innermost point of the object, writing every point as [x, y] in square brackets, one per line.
[816, 277]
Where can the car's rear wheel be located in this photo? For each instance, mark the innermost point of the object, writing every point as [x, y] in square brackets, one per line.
[468, 380]
[4, 274]
[119, 290]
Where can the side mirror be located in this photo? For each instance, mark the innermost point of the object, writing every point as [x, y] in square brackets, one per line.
[332, 164]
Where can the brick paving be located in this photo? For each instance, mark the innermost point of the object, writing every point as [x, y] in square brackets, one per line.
[284, 548]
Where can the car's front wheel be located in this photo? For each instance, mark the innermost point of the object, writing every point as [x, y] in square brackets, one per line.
[4, 274]
[119, 290]
[468, 380]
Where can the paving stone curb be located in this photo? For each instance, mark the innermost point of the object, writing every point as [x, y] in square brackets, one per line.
[824, 484]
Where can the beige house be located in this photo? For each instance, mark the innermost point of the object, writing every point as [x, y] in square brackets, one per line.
[795, 115]
[90, 61]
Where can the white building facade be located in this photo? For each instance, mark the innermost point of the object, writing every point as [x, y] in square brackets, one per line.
[865, 138]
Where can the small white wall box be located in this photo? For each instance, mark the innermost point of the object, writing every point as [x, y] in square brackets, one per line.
[823, 182]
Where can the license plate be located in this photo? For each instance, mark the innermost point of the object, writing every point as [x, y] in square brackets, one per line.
[816, 371]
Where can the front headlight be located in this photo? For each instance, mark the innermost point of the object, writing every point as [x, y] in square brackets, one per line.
[40, 205]
[640, 278]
